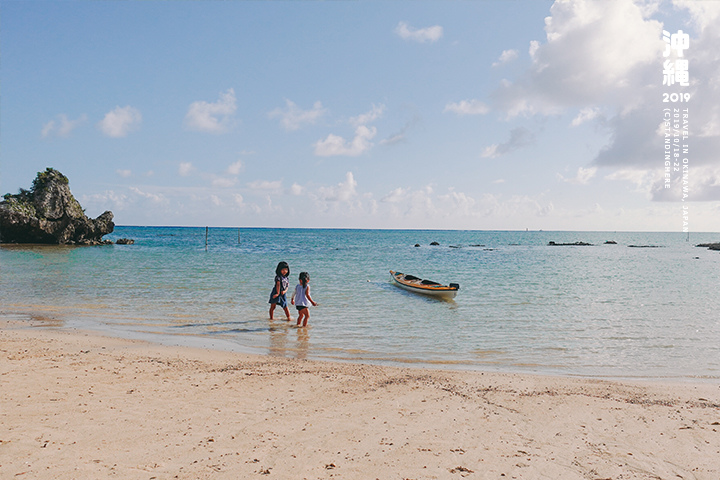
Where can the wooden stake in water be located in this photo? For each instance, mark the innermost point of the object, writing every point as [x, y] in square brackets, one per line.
[206, 238]
[238, 236]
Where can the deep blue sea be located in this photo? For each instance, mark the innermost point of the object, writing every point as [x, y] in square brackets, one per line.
[607, 310]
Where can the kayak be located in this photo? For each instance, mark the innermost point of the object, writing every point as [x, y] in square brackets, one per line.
[424, 287]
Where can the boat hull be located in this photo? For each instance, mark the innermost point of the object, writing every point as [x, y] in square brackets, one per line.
[431, 289]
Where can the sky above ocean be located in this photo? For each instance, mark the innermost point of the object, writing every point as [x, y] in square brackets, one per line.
[461, 115]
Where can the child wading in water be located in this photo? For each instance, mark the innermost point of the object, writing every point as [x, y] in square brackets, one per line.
[277, 296]
[302, 299]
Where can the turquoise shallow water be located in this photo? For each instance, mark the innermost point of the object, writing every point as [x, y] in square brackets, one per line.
[603, 310]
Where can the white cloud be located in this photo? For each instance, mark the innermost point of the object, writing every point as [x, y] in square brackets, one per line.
[363, 119]
[62, 126]
[155, 197]
[505, 57]
[394, 139]
[642, 179]
[583, 176]
[108, 200]
[185, 168]
[421, 35]
[217, 117]
[604, 61]
[235, 168]
[586, 114]
[395, 196]
[519, 137]
[401, 135]
[467, 107]
[124, 173]
[704, 14]
[342, 192]
[408, 206]
[223, 182]
[120, 121]
[265, 186]
[296, 189]
[594, 51]
[293, 118]
[699, 183]
[335, 145]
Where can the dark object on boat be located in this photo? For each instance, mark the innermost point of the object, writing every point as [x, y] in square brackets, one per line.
[424, 287]
[575, 244]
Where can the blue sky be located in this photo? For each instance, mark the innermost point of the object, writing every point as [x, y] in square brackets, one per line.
[465, 115]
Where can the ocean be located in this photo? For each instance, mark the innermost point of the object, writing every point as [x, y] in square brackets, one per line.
[645, 307]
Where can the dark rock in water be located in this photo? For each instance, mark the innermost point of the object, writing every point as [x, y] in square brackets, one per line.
[644, 246]
[434, 243]
[611, 242]
[48, 213]
[575, 244]
[124, 241]
[417, 244]
[710, 246]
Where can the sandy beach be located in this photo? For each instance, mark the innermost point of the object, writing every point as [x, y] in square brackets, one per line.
[76, 405]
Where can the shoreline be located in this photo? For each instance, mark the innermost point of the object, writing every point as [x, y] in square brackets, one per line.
[81, 405]
[53, 320]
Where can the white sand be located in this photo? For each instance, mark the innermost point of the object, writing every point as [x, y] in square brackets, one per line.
[81, 406]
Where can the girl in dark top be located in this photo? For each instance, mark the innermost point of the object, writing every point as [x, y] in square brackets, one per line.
[277, 296]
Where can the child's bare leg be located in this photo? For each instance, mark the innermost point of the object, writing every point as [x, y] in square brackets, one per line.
[287, 314]
[272, 309]
[307, 316]
[301, 314]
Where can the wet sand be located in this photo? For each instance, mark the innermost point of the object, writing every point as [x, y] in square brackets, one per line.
[76, 405]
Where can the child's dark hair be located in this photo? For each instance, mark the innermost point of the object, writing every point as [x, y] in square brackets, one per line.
[304, 278]
[281, 265]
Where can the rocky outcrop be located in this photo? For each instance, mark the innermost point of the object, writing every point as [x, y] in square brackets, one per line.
[48, 213]
[710, 246]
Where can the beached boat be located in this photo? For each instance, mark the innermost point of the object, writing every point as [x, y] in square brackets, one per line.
[424, 287]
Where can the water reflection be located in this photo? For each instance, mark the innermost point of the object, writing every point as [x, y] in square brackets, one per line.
[287, 340]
